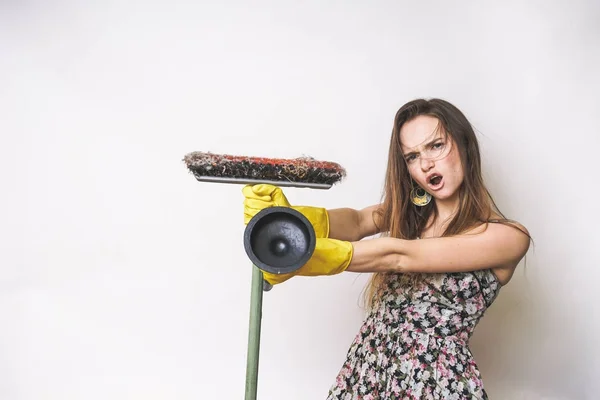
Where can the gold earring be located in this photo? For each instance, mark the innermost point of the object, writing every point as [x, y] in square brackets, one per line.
[419, 197]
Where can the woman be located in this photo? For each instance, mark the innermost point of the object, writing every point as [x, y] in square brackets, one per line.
[444, 253]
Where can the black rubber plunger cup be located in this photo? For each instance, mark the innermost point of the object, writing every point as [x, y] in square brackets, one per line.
[279, 240]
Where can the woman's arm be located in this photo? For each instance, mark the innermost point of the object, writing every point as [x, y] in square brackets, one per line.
[499, 246]
[352, 225]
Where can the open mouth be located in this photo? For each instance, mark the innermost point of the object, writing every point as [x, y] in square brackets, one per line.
[435, 181]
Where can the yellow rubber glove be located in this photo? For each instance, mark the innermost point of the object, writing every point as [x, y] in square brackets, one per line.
[331, 257]
[265, 195]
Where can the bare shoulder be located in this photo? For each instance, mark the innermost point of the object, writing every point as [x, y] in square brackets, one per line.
[501, 226]
[516, 237]
[513, 233]
[505, 232]
[510, 228]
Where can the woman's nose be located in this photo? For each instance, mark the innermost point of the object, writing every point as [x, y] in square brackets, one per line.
[426, 163]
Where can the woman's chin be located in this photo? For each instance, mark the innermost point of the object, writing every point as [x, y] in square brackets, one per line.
[445, 196]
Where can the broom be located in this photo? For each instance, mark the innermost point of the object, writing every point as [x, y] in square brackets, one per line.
[302, 172]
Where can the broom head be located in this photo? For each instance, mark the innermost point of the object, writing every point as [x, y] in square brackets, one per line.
[297, 172]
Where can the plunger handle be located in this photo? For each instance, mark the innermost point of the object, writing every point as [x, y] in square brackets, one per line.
[254, 331]
[256, 296]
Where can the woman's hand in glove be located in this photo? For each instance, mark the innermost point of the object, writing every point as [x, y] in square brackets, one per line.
[258, 197]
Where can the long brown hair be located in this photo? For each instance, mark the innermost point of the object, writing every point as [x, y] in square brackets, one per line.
[398, 217]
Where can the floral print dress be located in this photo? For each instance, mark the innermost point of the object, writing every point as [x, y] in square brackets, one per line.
[413, 344]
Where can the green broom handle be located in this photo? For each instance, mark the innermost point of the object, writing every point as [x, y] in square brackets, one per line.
[256, 297]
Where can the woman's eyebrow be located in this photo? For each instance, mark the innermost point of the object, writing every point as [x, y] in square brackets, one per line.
[425, 145]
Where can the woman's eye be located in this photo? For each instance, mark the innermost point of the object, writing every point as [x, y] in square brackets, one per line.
[410, 158]
[438, 145]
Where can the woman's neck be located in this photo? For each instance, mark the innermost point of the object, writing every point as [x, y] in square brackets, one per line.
[445, 212]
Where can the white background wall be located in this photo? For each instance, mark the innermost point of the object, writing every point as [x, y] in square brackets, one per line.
[121, 277]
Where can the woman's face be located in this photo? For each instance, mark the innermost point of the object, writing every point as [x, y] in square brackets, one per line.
[432, 157]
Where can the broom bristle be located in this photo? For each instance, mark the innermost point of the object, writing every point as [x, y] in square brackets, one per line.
[300, 170]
